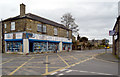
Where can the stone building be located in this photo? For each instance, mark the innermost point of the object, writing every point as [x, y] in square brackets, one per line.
[116, 38]
[0, 36]
[27, 33]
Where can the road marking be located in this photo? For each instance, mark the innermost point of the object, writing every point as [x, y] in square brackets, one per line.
[63, 60]
[63, 70]
[66, 66]
[74, 57]
[46, 64]
[68, 71]
[92, 72]
[61, 74]
[6, 61]
[104, 60]
[54, 73]
[20, 66]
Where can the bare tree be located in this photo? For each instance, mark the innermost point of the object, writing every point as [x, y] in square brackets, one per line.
[68, 21]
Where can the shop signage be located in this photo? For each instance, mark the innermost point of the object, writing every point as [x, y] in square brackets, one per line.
[51, 38]
[8, 36]
[18, 35]
[111, 33]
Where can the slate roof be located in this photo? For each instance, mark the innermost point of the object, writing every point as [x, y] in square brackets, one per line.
[38, 18]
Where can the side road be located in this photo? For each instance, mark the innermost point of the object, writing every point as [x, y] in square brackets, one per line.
[108, 57]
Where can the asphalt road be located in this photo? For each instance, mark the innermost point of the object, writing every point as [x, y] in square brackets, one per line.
[63, 63]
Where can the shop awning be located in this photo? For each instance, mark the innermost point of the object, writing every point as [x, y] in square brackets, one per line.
[35, 40]
[54, 41]
[13, 40]
[67, 42]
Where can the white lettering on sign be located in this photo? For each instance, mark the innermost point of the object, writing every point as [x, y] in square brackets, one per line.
[18, 35]
[8, 36]
[51, 38]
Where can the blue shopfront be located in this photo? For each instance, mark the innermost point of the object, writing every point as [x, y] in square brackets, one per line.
[14, 45]
[43, 45]
[36, 43]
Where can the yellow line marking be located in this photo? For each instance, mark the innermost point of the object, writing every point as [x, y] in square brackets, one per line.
[6, 61]
[104, 60]
[40, 67]
[20, 66]
[46, 64]
[63, 60]
[74, 57]
[67, 66]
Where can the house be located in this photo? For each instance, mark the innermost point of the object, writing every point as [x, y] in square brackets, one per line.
[116, 38]
[27, 33]
[95, 43]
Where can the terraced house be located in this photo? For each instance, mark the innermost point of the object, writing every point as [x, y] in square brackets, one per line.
[27, 33]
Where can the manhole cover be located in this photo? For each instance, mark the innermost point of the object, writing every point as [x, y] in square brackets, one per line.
[46, 63]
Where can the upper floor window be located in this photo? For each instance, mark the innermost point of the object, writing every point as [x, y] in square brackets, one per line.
[39, 27]
[12, 25]
[44, 28]
[55, 31]
[67, 34]
[5, 25]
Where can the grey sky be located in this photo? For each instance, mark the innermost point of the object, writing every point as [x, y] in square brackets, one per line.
[94, 17]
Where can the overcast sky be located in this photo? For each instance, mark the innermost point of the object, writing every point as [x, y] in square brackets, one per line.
[94, 17]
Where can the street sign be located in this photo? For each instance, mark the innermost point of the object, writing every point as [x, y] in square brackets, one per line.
[111, 33]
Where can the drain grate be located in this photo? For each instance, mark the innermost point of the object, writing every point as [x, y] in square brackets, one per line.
[46, 62]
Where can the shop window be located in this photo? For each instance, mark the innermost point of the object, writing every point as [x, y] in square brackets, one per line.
[39, 46]
[52, 46]
[66, 47]
[5, 25]
[14, 47]
[55, 31]
[44, 28]
[12, 25]
[39, 27]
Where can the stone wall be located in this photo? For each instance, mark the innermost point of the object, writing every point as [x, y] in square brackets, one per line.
[0, 37]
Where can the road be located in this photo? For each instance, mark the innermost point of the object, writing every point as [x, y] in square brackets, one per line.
[86, 62]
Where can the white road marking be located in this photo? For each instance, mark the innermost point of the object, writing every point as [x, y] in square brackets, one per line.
[92, 72]
[68, 71]
[63, 70]
[61, 74]
[53, 73]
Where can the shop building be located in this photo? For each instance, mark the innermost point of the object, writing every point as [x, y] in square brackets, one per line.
[116, 38]
[27, 33]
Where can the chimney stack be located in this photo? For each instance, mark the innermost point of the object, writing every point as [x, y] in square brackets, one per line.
[22, 10]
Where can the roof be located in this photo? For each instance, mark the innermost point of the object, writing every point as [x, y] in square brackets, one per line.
[38, 18]
[118, 18]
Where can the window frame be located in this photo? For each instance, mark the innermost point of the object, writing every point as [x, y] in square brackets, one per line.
[44, 28]
[12, 26]
[39, 27]
[5, 25]
[55, 31]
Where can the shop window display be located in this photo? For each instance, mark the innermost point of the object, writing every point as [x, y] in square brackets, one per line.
[52, 46]
[14, 47]
[39, 46]
[66, 47]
